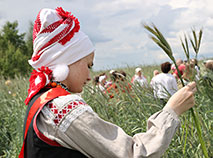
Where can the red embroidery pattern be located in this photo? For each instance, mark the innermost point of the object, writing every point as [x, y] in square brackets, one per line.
[60, 114]
[55, 38]
[63, 37]
[52, 27]
[67, 38]
[37, 81]
[37, 26]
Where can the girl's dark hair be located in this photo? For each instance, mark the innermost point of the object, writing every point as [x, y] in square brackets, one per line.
[166, 67]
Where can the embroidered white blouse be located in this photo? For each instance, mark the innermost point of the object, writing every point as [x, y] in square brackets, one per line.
[73, 124]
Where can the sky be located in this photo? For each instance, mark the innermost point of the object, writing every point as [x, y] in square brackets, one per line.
[116, 26]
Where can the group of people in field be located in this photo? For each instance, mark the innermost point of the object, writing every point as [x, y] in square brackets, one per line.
[114, 83]
[164, 83]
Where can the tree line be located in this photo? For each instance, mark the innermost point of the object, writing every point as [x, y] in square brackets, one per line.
[15, 50]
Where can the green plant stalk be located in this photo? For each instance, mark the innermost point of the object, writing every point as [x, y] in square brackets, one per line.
[196, 43]
[185, 47]
[197, 123]
[195, 117]
[185, 140]
[184, 126]
[167, 49]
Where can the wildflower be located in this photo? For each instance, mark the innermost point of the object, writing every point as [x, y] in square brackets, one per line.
[8, 82]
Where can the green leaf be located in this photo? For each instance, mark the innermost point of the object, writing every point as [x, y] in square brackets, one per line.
[200, 36]
[161, 38]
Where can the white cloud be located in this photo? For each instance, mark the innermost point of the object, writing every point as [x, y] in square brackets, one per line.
[115, 26]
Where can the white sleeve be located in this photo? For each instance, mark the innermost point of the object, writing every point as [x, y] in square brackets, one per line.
[83, 130]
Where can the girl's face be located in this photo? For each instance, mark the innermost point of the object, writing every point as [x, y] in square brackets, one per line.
[79, 74]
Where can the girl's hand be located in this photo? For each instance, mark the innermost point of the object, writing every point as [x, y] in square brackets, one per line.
[183, 99]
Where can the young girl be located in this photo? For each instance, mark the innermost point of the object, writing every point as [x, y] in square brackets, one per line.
[59, 123]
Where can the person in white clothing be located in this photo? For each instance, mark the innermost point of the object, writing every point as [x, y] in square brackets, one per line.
[102, 82]
[164, 84]
[138, 78]
[60, 123]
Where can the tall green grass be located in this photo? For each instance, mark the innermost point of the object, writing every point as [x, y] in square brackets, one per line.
[12, 111]
[128, 110]
[160, 40]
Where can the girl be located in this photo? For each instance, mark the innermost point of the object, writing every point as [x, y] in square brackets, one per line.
[59, 123]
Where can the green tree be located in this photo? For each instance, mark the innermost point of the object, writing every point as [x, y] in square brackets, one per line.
[14, 52]
[29, 39]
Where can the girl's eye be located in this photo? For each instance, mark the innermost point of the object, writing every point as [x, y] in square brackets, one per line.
[90, 66]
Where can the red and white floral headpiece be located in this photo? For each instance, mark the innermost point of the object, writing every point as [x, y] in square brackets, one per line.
[57, 43]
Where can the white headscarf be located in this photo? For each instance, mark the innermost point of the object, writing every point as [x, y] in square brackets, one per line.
[57, 43]
[52, 26]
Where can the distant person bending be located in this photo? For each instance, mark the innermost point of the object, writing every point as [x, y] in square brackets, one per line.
[60, 124]
[120, 84]
[164, 84]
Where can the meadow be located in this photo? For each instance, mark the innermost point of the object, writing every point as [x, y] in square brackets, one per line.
[128, 110]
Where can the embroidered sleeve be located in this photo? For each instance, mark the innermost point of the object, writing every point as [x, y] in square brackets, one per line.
[95, 137]
[82, 129]
[62, 111]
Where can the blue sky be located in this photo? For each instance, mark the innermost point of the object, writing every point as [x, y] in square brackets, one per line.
[115, 26]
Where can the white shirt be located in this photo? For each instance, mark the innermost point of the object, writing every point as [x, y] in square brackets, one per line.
[164, 84]
[141, 80]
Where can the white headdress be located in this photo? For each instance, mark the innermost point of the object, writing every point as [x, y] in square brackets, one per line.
[57, 43]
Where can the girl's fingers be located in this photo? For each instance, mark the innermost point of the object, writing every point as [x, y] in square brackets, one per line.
[192, 85]
[194, 90]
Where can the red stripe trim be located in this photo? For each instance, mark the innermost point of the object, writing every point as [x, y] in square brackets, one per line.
[52, 27]
[40, 102]
[37, 26]
[41, 135]
[56, 38]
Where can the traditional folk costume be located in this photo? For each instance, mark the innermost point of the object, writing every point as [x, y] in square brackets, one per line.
[119, 85]
[59, 123]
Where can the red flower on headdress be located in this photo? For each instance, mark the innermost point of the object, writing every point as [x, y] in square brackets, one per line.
[67, 18]
[38, 80]
[62, 13]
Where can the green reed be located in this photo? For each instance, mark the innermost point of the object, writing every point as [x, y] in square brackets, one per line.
[130, 115]
[159, 39]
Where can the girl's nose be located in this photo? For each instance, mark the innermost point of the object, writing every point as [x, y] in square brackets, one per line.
[89, 78]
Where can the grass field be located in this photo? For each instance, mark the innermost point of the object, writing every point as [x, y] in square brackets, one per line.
[128, 110]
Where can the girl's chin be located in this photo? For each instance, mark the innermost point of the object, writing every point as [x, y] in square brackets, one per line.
[76, 90]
